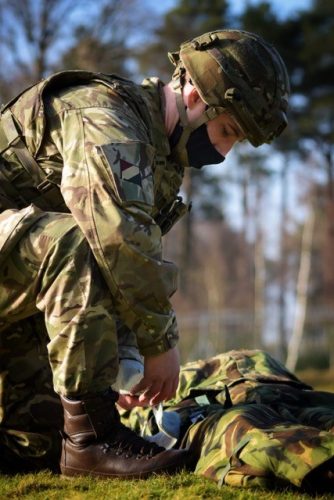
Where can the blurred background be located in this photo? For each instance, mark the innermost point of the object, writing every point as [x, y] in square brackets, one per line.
[256, 254]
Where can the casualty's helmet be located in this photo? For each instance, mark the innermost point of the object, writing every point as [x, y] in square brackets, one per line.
[238, 72]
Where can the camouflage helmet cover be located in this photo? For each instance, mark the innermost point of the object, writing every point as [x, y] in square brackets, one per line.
[238, 72]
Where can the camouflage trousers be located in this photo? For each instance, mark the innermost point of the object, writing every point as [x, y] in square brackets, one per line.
[58, 335]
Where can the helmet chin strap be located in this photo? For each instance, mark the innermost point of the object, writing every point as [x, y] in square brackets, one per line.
[187, 128]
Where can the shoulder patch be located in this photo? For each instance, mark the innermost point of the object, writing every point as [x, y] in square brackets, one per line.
[130, 164]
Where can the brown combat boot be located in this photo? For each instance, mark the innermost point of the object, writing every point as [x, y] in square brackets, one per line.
[97, 443]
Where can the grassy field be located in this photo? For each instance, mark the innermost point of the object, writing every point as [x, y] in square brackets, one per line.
[45, 486]
[320, 380]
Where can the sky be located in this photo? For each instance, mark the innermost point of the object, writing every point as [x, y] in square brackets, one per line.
[284, 8]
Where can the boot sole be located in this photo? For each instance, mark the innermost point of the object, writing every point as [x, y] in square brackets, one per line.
[69, 472]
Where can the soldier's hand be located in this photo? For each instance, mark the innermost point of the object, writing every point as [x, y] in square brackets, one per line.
[161, 378]
[127, 402]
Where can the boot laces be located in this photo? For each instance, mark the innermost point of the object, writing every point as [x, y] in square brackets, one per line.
[126, 442]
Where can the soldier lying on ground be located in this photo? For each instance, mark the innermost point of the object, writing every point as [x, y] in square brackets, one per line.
[90, 170]
[249, 422]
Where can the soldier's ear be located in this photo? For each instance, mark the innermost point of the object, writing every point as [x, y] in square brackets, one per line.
[193, 98]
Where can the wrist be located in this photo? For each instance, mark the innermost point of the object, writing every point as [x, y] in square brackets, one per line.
[164, 344]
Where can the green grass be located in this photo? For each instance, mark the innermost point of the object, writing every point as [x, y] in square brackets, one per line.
[320, 380]
[45, 485]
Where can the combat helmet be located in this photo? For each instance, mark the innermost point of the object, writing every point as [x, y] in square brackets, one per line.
[237, 72]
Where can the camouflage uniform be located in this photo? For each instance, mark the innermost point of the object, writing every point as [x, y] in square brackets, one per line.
[251, 422]
[88, 255]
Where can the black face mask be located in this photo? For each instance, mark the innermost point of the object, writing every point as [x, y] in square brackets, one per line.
[199, 148]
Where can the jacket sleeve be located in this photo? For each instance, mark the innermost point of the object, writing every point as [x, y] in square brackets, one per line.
[107, 184]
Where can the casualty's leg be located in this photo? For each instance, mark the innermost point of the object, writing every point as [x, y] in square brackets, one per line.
[53, 270]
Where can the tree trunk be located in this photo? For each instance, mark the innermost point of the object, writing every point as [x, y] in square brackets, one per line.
[259, 274]
[302, 289]
[282, 340]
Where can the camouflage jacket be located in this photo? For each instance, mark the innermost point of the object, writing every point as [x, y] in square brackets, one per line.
[97, 147]
[250, 422]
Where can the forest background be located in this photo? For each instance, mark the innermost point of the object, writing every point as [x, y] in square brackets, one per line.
[256, 252]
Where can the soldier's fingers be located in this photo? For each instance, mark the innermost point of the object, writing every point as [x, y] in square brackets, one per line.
[142, 386]
[163, 395]
[127, 402]
[174, 387]
[153, 391]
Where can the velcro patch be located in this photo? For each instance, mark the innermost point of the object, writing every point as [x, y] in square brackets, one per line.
[130, 164]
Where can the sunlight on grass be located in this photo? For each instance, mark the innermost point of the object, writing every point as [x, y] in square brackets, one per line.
[320, 380]
[45, 485]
